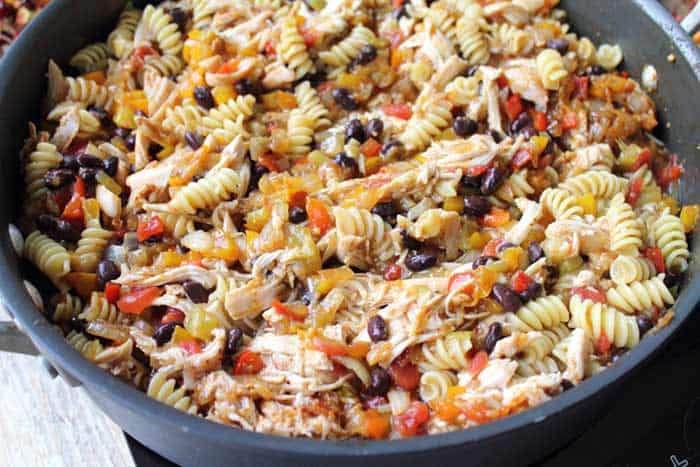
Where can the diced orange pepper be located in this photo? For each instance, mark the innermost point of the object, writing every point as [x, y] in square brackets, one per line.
[318, 214]
[377, 424]
[496, 218]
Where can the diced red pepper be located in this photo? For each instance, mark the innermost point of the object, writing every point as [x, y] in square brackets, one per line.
[642, 158]
[191, 346]
[293, 313]
[73, 210]
[462, 281]
[318, 215]
[655, 255]
[330, 347]
[589, 292]
[539, 121]
[298, 199]
[412, 421]
[393, 272]
[490, 249]
[173, 315]
[371, 148]
[153, 227]
[402, 111]
[140, 53]
[521, 281]
[668, 175]
[582, 85]
[603, 344]
[377, 424]
[634, 190]
[138, 300]
[502, 82]
[479, 362]
[112, 292]
[248, 363]
[405, 375]
[521, 159]
[514, 106]
[397, 3]
[477, 170]
[570, 121]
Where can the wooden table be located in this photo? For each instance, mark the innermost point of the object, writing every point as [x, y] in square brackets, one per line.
[45, 422]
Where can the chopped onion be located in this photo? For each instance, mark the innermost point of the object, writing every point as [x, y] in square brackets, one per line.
[356, 366]
[110, 203]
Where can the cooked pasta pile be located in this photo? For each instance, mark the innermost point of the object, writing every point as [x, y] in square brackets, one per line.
[352, 218]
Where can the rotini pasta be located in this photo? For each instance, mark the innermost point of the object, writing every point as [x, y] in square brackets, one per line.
[542, 313]
[640, 296]
[598, 320]
[550, 68]
[49, 256]
[669, 236]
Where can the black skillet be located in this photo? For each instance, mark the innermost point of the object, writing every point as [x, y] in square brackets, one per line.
[648, 35]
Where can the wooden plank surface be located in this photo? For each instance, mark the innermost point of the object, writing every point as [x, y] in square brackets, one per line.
[45, 422]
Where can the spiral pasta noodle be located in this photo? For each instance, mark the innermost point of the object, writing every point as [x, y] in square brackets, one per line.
[560, 204]
[100, 309]
[91, 58]
[472, 41]
[292, 49]
[49, 256]
[206, 193]
[423, 127]
[310, 105]
[162, 388]
[609, 56]
[68, 307]
[434, 384]
[342, 53]
[550, 68]
[448, 352]
[625, 228]
[159, 26]
[640, 296]
[88, 348]
[538, 314]
[597, 320]
[93, 240]
[599, 183]
[669, 236]
[627, 269]
[239, 108]
[167, 65]
[44, 158]
[87, 92]
[121, 40]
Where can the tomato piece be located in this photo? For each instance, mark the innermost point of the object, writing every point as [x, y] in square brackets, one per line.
[642, 158]
[582, 84]
[191, 346]
[393, 272]
[589, 292]
[112, 292]
[248, 363]
[479, 362]
[371, 148]
[634, 190]
[401, 111]
[496, 218]
[521, 281]
[406, 375]
[330, 347]
[318, 214]
[502, 82]
[173, 315]
[521, 159]
[411, 422]
[491, 248]
[514, 106]
[397, 3]
[539, 121]
[655, 255]
[668, 175]
[377, 424]
[153, 227]
[477, 170]
[298, 199]
[138, 300]
[269, 48]
[462, 281]
[603, 344]
[570, 121]
[297, 313]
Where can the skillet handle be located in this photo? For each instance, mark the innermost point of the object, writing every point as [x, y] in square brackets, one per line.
[692, 21]
[12, 339]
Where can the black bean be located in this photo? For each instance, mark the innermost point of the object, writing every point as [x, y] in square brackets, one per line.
[57, 178]
[106, 271]
[376, 328]
[506, 297]
[492, 336]
[380, 381]
[471, 181]
[246, 86]
[421, 261]
[355, 130]
[533, 291]
[392, 150]
[409, 242]
[559, 44]
[153, 149]
[345, 162]
[644, 324]
[464, 126]
[535, 251]
[58, 229]
[476, 206]
[78, 324]
[368, 52]
[503, 246]
[194, 140]
[257, 172]
[130, 142]
[483, 261]
[671, 280]
[566, 384]
[343, 97]
[164, 333]
[179, 17]
[596, 70]
[202, 94]
[375, 128]
[234, 340]
[522, 121]
[100, 114]
[384, 210]
[111, 165]
[87, 160]
[496, 135]
[70, 163]
[297, 215]
[491, 181]
[196, 291]
[88, 175]
[528, 132]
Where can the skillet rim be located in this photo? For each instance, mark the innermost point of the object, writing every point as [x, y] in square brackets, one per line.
[56, 349]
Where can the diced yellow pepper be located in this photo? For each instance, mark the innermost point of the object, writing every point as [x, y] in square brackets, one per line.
[324, 280]
[200, 324]
[689, 216]
[539, 143]
[279, 100]
[91, 209]
[372, 165]
[222, 94]
[350, 81]
[671, 204]
[587, 203]
[124, 117]
[514, 257]
[255, 220]
[477, 240]
[180, 335]
[169, 259]
[454, 203]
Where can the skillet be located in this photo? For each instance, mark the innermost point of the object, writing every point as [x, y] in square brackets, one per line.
[647, 34]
